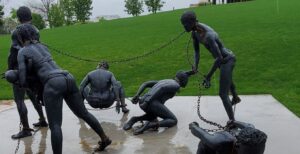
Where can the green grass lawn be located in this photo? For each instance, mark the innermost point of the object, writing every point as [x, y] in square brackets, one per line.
[264, 35]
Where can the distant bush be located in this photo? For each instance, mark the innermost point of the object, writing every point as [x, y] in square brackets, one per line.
[234, 1]
[204, 3]
[102, 19]
[8, 26]
[38, 21]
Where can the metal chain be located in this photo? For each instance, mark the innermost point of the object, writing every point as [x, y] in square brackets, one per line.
[67, 54]
[135, 58]
[36, 130]
[149, 52]
[220, 127]
[19, 140]
[187, 52]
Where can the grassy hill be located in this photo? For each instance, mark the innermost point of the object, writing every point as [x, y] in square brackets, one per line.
[264, 35]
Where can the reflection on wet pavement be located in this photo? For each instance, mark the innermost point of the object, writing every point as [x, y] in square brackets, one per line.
[28, 142]
[262, 111]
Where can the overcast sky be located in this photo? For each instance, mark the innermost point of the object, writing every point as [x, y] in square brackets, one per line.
[106, 7]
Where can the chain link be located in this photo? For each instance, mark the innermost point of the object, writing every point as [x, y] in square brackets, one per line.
[151, 52]
[125, 60]
[220, 127]
[187, 52]
[19, 140]
[67, 54]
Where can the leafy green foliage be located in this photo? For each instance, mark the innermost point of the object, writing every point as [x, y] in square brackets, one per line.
[154, 5]
[1, 15]
[13, 13]
[134, 7]
[56, 16]
[82, 9]
[68, 8]
[38, 21]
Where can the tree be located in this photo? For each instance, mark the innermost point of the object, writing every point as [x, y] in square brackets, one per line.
[68, 8]
[134, 7]
[37, 21]
[82, 9]
[2, 29]
[47, 5]
[56, 16]
[9, 25]
[13, 13]
[154, 5]
[1, 15]
[43, 7]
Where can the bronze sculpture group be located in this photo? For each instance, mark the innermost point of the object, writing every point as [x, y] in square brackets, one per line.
[29, 61]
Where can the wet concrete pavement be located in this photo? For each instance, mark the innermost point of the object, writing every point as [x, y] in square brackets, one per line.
[268, 115]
